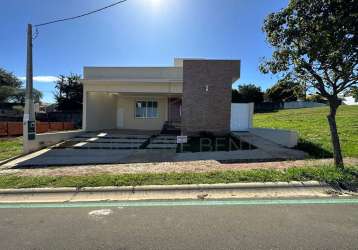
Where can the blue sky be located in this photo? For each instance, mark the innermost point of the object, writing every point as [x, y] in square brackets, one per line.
[136, 33]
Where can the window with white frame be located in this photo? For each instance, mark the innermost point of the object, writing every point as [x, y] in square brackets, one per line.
[146, 109]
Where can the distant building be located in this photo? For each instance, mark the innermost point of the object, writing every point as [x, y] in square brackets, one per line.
[349, 100]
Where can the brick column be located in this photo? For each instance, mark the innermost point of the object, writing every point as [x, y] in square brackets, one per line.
[207, 95]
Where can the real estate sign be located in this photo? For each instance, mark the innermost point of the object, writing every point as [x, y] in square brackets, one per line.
[182, 139]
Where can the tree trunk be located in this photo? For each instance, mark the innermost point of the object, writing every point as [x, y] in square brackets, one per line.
[337, 153]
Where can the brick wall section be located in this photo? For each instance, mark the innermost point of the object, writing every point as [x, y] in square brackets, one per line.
[15, 128]
[3, 128]
[207, 110]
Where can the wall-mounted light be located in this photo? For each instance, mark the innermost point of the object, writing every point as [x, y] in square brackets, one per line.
[206, 88]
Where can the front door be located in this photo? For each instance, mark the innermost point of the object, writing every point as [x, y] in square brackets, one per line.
[174, 109]
[120, 118]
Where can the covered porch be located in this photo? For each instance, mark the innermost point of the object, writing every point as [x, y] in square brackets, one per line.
[132, 111]
[131, 98]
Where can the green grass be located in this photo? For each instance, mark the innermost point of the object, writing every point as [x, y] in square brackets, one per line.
[313, 129]
[10, 147]
[348, 177]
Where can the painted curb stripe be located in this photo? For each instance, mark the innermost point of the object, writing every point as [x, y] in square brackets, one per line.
[179, 203]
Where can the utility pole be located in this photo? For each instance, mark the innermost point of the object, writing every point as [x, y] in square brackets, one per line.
[29, 120]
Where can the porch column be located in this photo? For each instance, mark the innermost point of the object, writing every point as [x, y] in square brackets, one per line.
[84, 108]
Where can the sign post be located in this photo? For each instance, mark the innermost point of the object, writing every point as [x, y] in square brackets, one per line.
[181, 139]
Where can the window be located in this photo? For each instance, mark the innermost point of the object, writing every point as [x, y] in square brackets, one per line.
[146, 109]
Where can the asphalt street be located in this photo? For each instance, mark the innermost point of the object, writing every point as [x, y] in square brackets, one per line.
[169, 226]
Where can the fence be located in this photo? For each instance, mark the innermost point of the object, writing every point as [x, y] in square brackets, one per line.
[68, 116]
[272, 106]
[267, 106]
[302, 104]
[15, 128]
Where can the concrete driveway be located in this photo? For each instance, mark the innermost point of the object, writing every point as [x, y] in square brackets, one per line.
[102, 148]
[116, 147]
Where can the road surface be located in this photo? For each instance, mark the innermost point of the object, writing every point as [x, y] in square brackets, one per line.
[285, 225]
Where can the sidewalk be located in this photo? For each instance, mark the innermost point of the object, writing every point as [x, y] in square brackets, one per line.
[309, 189]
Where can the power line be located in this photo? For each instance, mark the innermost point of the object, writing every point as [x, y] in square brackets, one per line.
[79, 16]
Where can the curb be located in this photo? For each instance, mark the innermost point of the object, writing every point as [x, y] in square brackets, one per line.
[269, 190]
[3, 162]
[169, 188]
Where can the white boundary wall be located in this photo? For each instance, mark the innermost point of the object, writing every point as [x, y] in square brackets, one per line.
[302, 104]
[48, 139]
[241, 116]
[349, 100]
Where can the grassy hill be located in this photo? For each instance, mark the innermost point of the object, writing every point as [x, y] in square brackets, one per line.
[313, 129]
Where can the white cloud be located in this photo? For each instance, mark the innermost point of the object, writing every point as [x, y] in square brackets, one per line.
[41, 78]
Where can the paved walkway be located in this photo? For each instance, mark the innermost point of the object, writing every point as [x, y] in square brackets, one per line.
[167, 167]
[270, 148]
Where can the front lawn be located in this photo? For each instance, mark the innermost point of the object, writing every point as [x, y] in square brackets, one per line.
[346, 178]
[313, 129]
[10, 147]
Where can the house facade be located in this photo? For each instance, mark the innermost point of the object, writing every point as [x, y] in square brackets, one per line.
[194, 95]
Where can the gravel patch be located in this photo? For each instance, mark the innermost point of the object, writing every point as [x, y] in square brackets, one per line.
[167, 167]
